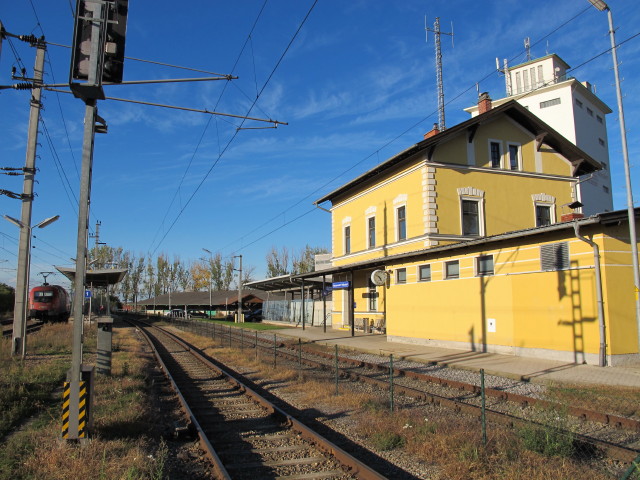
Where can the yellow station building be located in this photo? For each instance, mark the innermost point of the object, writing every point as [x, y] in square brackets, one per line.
[473, 239]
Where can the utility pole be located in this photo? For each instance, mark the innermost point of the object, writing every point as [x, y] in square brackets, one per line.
[89, 36]
[19, 340]
[239, 289]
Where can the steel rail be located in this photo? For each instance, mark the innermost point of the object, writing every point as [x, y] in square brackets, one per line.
[612, 450]
[210, 452]
[355, 466]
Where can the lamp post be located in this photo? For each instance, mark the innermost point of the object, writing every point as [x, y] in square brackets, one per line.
[19, 340]
[602, 6]
[210, 278]
[239, 288]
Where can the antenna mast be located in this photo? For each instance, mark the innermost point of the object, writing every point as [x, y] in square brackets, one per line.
[507, 75]
[437, 33]
[527, 47]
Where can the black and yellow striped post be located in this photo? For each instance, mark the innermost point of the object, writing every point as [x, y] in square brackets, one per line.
[66, 401]
[74, 423]
[77, 399]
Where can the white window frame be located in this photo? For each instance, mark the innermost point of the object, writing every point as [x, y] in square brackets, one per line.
[519, 157]
[501, 153]
[552, 212]
[477, 263]
[346, 250]
[398, 270]
[397, 222]
[445, 273]
[419, 276]
[367, 219]
[480, 202]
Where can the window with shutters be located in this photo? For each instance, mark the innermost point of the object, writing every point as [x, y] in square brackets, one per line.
[554, 256]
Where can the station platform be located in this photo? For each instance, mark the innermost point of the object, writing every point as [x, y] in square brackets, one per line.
[518, 368]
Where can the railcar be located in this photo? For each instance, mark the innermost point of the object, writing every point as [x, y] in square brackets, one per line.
[50, 303]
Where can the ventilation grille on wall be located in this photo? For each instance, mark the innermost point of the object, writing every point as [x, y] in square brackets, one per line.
[554, 256]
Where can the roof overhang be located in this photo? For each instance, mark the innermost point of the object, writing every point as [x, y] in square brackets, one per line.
[581, 161]
[605, 219]
[96, 278]
[286, 283]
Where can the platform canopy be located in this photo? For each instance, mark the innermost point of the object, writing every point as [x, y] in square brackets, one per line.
[96, 278]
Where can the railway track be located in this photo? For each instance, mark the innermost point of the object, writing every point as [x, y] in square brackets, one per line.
[244, 435]
[32, 326]
[616, 436]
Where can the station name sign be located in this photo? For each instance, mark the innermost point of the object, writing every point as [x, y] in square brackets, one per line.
[339, 285]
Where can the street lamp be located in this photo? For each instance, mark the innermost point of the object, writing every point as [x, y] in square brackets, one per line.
[602, 6]
[210, 278]
[19, 340]
[239, 289]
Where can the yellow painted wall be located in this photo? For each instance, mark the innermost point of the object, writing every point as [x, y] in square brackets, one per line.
[532, 309]
[508, 203]
[618, 278]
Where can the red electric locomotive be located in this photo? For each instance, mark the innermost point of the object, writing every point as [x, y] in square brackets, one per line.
[50, 303]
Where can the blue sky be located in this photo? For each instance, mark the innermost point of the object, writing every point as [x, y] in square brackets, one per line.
[356, 85]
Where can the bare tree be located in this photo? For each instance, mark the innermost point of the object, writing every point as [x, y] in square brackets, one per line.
[305, 261]
[277, 262]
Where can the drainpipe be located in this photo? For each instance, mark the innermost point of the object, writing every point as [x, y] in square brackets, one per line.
[596, 262]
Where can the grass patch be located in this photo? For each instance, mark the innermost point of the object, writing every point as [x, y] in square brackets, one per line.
[26, 386]
[623, 401]
[125, 441]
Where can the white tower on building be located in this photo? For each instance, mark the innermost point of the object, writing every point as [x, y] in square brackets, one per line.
[571, 108]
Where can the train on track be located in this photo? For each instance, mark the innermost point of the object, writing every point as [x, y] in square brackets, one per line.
[49, 303]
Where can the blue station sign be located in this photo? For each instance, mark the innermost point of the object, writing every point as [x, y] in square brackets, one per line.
[338, 285]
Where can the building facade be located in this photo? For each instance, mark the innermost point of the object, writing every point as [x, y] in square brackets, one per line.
[468, 239]
[573, 110]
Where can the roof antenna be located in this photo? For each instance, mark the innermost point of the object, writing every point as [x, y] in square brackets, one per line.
[507, 75]
[527, 47]
[437, 33]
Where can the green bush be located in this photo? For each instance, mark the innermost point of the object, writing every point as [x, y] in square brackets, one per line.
[547, 440]
[387, 440]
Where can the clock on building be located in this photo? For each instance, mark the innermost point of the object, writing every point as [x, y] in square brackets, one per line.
[379, 277]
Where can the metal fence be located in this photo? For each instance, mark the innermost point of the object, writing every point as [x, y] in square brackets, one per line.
[291, 311]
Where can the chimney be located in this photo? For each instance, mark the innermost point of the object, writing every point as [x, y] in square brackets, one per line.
[569, 217]
[432, 132]
[484, 103]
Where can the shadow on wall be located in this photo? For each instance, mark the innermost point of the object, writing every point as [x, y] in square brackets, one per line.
[577, 321]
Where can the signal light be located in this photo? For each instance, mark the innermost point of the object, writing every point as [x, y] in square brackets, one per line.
[111, 41]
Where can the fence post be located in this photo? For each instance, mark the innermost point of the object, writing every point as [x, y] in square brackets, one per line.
[337, 375]
[634, 465]
[483, 416]
[391, 379]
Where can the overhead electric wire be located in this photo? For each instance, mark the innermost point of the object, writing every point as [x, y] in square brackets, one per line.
[206, 127]
[388, 143]
[295, 35]
[60, 169]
